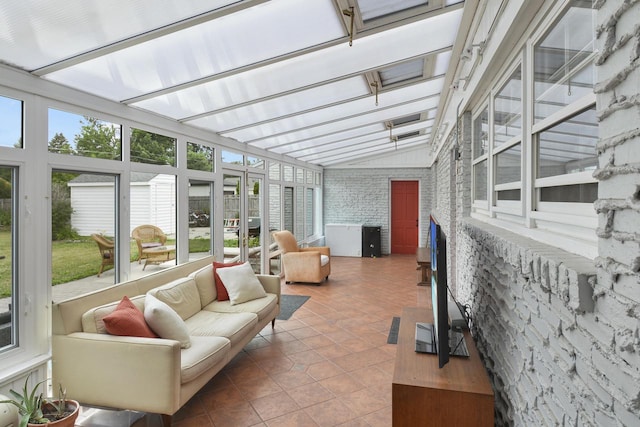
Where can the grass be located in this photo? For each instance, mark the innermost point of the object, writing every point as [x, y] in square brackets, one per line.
[76, 259]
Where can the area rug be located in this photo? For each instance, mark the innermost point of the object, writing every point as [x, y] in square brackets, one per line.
[289, 304]
[392, 338]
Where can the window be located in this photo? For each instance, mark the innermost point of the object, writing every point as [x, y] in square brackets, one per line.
[534, 152]
[232, 158]
[153, 148]
[200, 219]
[10, 122]
[8, 284]
[85, 136]
[200, 157]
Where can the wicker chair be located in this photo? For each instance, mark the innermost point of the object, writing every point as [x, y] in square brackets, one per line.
[147, 236]
[105, 246]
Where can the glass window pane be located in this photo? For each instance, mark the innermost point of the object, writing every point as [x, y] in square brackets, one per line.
[153, 220]
[200, 157]
[8, 286]
[481, 134]
[310, 209]
[372, 9]
[512, 195]
[508, 165]
[85, 136]
[299, 214]
[10, 122]
[274, 171]
[287, 209]
[200, 221]
[576, 193]
[232, 158]
[231, 214]
[563, 60]
[83, 227]
[255, 162]
[480, 181]
[275, 222]
[153, 148]
[300, 176]
[507, 110]
[288, 173]
[569, 147]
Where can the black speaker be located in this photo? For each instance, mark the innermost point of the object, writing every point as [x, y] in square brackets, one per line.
[371, 246]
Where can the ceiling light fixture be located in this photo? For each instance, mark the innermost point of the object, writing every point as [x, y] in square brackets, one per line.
[349, 12]
[375, 85]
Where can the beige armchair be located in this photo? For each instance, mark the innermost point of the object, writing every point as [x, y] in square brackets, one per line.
[147, 236]
[309, 265]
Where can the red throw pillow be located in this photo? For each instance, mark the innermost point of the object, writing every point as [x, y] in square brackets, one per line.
[220, 289]
[127, 320]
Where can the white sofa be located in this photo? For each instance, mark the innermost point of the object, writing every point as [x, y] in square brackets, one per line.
[154, 375]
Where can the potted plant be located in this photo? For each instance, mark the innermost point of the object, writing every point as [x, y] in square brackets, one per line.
[36, 410]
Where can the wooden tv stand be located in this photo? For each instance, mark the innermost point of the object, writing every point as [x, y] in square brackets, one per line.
[459, 394]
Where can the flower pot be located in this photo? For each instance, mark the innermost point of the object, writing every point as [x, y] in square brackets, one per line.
[72, 409]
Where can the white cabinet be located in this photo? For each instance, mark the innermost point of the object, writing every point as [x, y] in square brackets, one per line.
[344, 239]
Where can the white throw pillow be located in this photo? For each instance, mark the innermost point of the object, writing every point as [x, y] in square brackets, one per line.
[165, 322]
[241, 283]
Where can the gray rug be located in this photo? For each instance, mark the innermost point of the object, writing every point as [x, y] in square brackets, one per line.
[289, 304]
[392, 338]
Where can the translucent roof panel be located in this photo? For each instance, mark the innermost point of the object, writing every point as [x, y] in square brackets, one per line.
[336, 112]
[334, 62]
[207, 49]
[36, 33]
[272, 76]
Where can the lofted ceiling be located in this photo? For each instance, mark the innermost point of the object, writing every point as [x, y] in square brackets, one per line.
[287, 76]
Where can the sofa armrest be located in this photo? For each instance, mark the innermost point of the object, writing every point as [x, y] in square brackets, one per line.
[270, 283]
[141, 374]
[324, 250]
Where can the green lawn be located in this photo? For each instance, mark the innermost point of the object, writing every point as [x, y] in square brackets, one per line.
[74, 259]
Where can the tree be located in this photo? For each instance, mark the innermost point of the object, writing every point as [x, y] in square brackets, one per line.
[98, 139]
[147, 147]
[198, 158]
[60, 144]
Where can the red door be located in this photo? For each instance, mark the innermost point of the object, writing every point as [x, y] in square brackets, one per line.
[404, 217]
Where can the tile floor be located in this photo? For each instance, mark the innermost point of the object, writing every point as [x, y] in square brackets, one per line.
[328, 365]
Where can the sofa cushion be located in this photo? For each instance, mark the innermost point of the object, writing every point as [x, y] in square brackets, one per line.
[205, 283]
[181, 295]
[92, 320]
[260, 306]
[223, 295]
[165, 322]
[204, 353]
[127, 320]
[233, 326]
[241, 283]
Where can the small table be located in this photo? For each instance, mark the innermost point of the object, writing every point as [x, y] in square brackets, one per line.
[159, 254]
[423, 257]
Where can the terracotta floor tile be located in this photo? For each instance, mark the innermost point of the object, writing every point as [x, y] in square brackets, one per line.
[324, 369]
[310, 394]
[293, 419]
[292, 379]
[342, 384]
[240, 415]
[258, 387]
[330, 413]
[363, 402]
[274, 405]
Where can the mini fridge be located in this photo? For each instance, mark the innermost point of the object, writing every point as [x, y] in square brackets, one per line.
[344, 239]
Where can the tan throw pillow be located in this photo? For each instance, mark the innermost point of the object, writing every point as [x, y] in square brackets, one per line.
[165, 322]
[241, 283]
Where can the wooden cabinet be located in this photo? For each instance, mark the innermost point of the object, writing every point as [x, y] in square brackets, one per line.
[459, 394]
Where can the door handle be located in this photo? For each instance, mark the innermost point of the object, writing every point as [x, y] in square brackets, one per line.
[416, 222]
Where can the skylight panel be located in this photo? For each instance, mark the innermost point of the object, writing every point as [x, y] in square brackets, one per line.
[402, 72]
[372, 9]
[407, 119]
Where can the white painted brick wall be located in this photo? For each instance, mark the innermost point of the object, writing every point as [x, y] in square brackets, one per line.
[362, 196]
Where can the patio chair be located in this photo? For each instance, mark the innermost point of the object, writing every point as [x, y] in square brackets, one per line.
[147, 236]
[307, 265]
[105, 246]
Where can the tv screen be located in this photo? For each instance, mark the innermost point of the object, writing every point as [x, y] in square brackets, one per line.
[438, 248]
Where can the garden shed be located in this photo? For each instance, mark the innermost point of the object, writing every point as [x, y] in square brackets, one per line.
[153, 198]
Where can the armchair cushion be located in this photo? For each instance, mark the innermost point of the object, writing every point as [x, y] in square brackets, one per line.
[241, 283]
[127, 320]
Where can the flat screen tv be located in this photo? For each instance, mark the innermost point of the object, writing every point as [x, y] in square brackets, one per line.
[434, 338]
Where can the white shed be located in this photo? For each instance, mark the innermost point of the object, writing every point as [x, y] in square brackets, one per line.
[153, 201]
